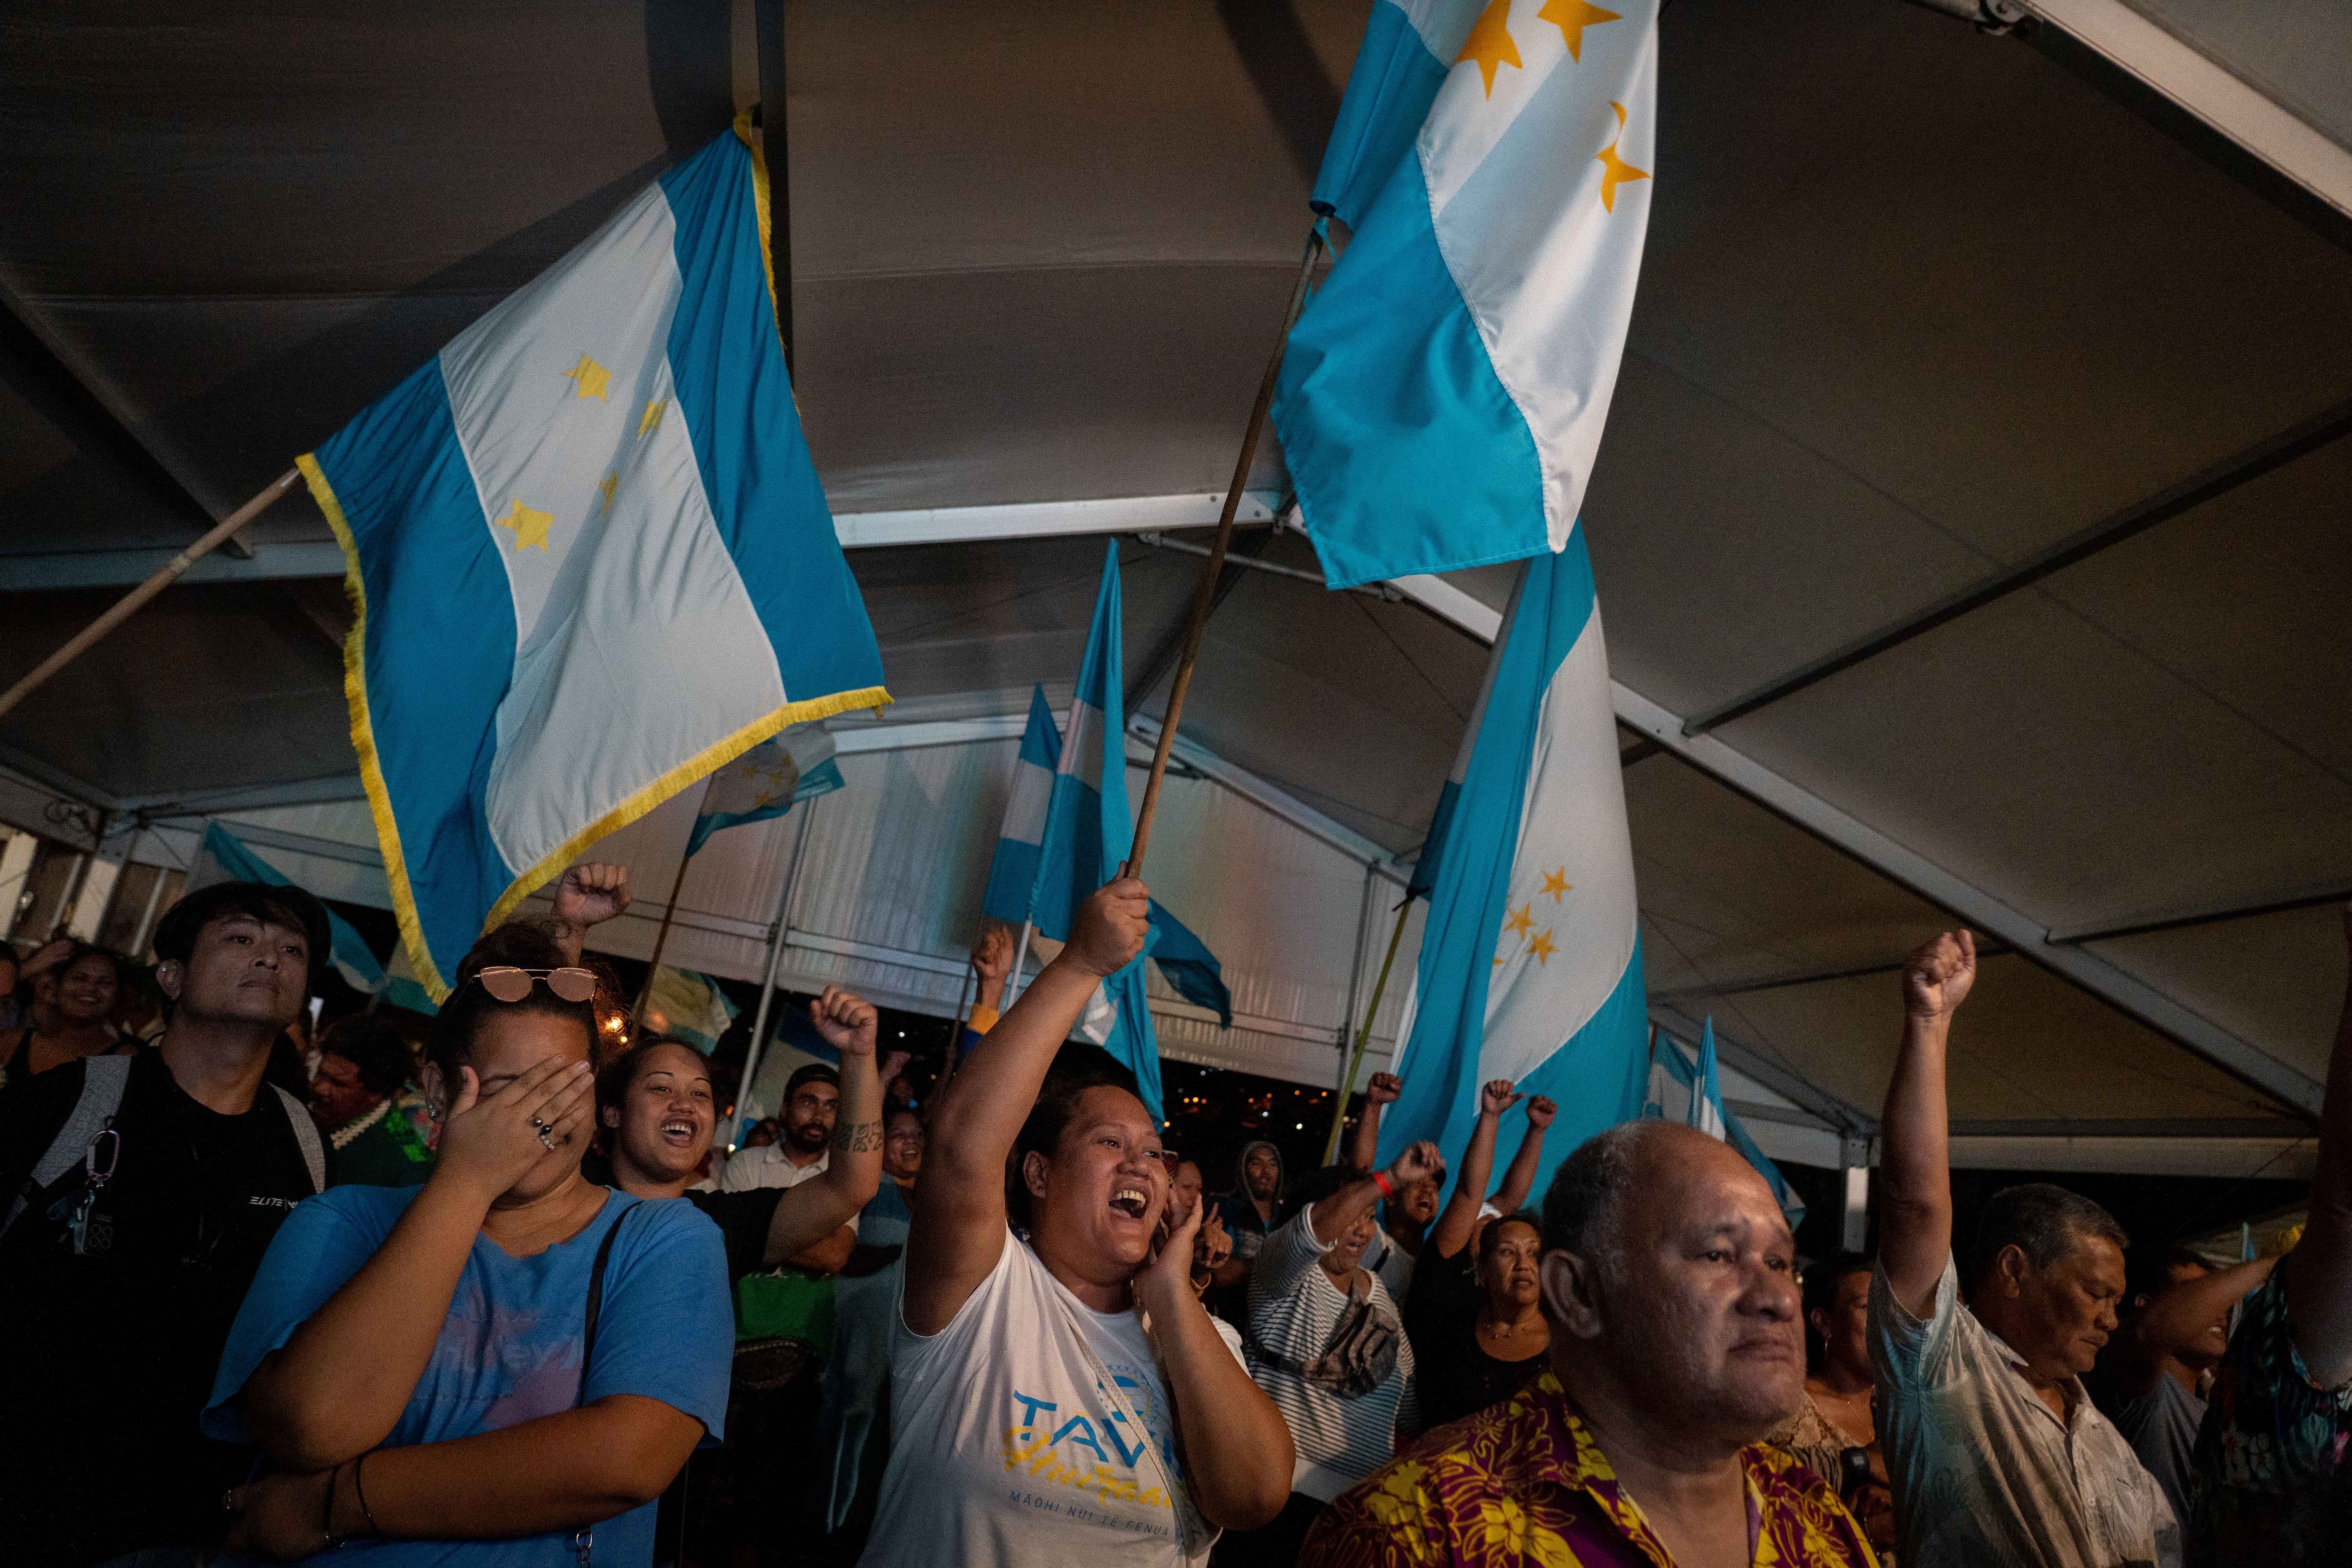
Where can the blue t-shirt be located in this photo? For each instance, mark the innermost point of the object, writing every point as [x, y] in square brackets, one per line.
[511, 1349]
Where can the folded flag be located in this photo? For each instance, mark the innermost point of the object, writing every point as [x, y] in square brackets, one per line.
[225, 857]
[590, 558]
[768, 780]
[685, 1004]
[1190, 970]
[1012, 878]
[1707, 1113]
[1444, 393]
[1087, 832]
[1531, 962]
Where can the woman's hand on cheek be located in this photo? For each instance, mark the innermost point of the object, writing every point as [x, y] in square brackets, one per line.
[1167, 1276]
[488, 1142]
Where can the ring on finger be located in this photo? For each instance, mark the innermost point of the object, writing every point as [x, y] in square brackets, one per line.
[546, 1137]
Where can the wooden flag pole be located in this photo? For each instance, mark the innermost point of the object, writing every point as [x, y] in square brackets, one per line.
[129, 604]
[1205, 599]
[1364, 1035]
[661, 940]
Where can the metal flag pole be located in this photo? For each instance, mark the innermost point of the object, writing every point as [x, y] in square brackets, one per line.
[768, 982]
[1020, 956]
[1364, 1035]
[661, 940]
[129, 604]
[1205, 600]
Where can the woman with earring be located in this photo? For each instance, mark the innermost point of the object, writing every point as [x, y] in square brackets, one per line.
[504, 1365]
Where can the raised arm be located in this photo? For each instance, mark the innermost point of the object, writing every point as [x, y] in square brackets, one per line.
[2173, 1318]
[588, 896]
[1330, 1218]
[339, 1384]
[1363, 1145]
[1520, 1177]
[1459, 1221]
[1915, 1223]
[810, 1216]
[2319, 1280]
[958, 1232]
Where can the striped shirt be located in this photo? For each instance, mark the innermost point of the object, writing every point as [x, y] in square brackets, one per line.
[1293, 1308]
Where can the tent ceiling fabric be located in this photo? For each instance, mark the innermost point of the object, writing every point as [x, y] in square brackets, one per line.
[1917, 303]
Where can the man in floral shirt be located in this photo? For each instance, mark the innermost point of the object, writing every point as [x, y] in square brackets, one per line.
[2274, 1461]
[1669, 1281]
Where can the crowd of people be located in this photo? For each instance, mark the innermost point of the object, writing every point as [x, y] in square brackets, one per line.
[493, 1291]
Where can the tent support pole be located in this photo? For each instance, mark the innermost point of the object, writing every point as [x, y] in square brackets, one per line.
[1364, 1034]
[174, 569]
[1205, 599]
[768, 981]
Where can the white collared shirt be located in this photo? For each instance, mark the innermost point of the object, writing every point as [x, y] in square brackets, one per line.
[1983, 1470]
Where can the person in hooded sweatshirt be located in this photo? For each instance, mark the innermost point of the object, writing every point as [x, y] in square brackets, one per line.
[1251, 1210]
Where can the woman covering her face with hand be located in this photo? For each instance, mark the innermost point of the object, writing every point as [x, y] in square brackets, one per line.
[419, 1365]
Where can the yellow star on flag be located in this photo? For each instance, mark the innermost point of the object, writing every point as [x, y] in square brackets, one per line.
[1540, 948]
[589, 378]
[1490, 43]
[1573, 17]
[1555, 883]
[1521, 920]
[1615, 170]
[610, 483]
[652, 417]
[530, 526]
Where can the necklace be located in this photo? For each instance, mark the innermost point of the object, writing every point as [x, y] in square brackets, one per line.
[345, 1133]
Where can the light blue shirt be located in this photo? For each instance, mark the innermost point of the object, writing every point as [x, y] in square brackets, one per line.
[509, 1350]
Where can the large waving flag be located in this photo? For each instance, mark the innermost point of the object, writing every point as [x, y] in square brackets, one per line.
[590, 558]
[1531, 962]
[1444, 393]
[1088, 831]
[768, 780]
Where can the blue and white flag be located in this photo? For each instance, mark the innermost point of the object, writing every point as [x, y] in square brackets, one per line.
[1185, 962]
[590, 558]
[1531, 961]
[1012, 877]
[1088, 831]
[225, 857]
[1444, 393]
[768, 780]
[1433, 844]
[1697, 1086]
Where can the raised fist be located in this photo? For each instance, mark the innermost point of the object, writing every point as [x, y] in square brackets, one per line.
[1938, 975]
[1499, 1097]
[1383, 1089]
[592, 893]
[1540, 1110]
[1420, 1162]
[845, 1020]
[992, 954]
[1109, 928]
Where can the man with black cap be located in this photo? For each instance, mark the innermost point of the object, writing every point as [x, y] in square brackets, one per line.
[139, 1194]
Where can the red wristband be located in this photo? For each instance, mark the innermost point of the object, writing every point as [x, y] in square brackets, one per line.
[1380, 1180]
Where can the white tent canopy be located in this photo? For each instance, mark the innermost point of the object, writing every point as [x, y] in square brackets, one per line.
[1970, 528]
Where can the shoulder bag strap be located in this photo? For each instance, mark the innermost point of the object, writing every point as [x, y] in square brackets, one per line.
[103, 1081]
[306, 1136]
[584, 1541]
[1190, 1525]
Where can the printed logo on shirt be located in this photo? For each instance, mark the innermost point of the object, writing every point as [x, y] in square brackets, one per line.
[1087, 1450]
[259, 1200]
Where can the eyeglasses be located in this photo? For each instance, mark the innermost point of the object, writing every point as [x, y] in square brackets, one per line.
[508, 984]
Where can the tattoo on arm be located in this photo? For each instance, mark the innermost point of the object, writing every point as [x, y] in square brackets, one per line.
[856, 1138]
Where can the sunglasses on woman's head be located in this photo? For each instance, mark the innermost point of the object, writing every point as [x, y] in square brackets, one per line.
[508, 984]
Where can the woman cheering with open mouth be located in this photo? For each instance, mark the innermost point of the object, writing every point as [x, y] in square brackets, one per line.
[1062, 1399]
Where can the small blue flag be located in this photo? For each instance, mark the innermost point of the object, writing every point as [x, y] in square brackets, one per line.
[767, 781]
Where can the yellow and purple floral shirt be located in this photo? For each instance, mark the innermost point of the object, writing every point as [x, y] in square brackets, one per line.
[1524, 1482]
